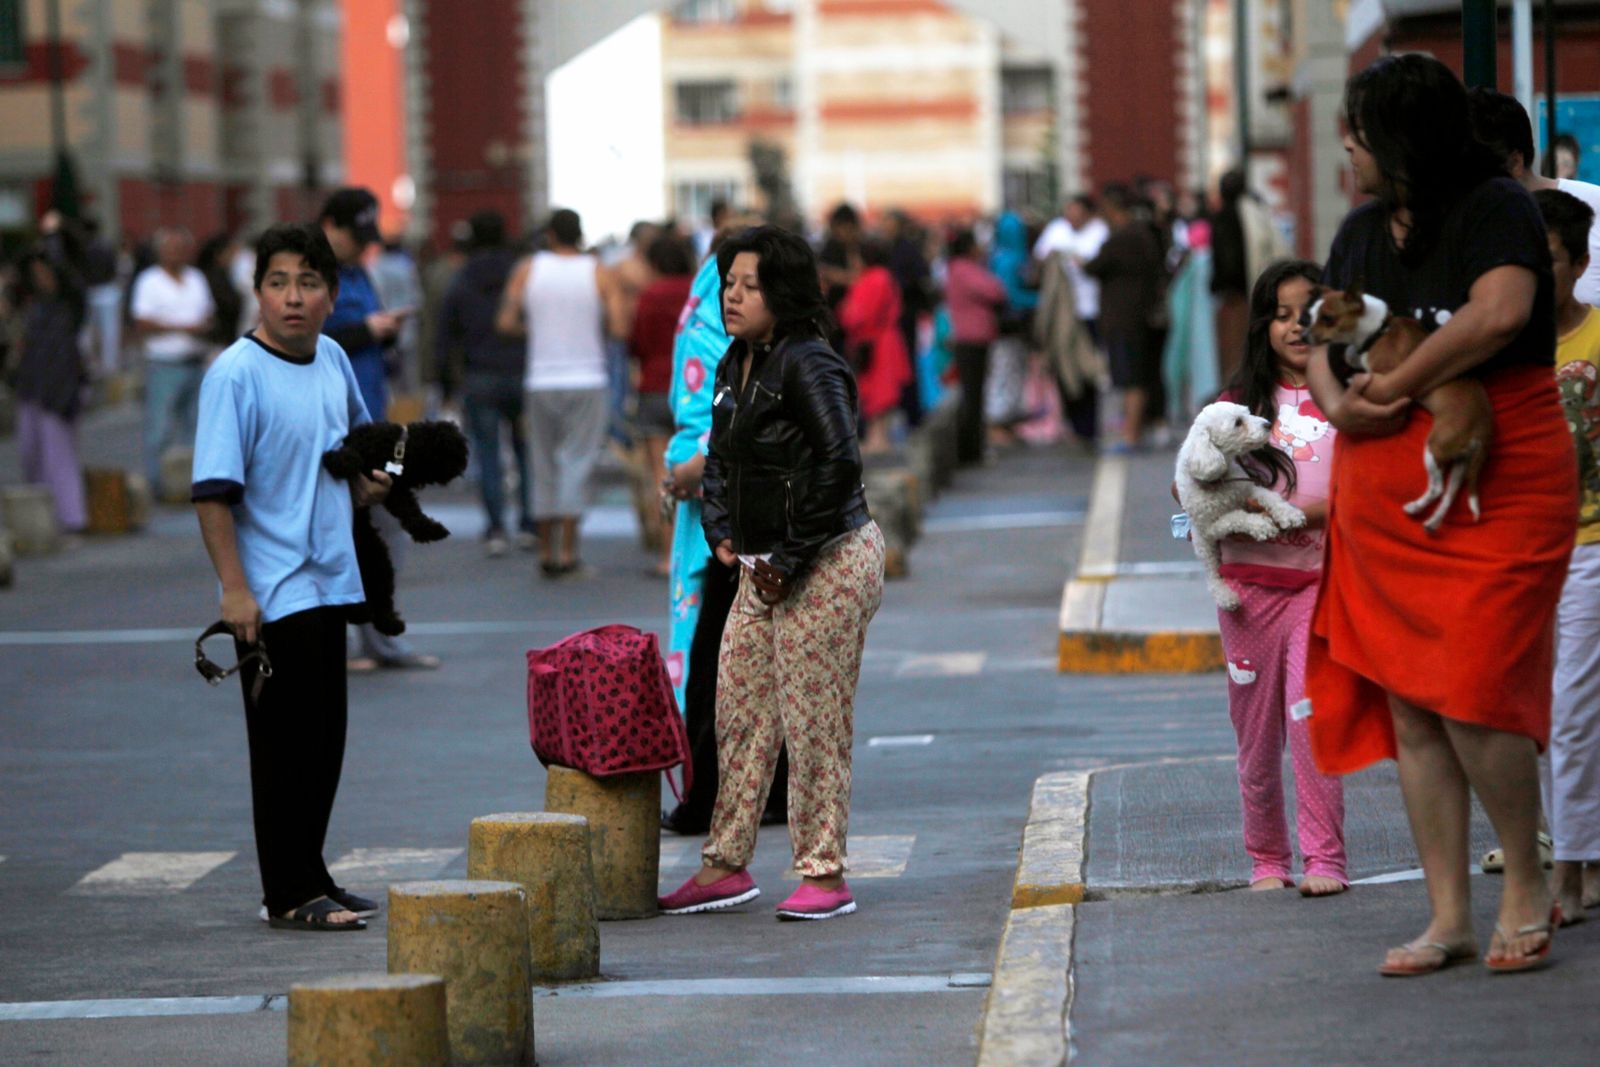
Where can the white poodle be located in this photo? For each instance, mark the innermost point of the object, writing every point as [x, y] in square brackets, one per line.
[1214, 489]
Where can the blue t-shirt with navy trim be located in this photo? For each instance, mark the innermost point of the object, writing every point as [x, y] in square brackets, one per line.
[266, 418]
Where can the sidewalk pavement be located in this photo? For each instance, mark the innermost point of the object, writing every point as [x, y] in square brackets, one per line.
[1131, 882]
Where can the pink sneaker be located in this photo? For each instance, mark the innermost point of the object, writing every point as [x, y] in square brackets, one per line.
[811, 902]
[723, 893]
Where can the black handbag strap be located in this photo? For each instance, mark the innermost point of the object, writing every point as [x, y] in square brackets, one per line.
[214, 673]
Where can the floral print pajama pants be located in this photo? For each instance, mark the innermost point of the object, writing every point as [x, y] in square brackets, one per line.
[789, 672]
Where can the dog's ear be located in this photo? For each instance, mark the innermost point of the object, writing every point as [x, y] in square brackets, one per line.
[1206, 461]
[1357, 290]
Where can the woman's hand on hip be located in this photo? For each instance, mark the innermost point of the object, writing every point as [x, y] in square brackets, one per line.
[725, 554]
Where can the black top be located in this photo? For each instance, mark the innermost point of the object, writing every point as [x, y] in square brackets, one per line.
[1131, 270]
[467, 335]
[1494, 225]
[783, 467]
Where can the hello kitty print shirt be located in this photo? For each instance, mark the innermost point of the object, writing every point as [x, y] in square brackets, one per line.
[1303, 433]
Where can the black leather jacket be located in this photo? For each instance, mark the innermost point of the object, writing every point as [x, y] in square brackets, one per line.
[783, 469]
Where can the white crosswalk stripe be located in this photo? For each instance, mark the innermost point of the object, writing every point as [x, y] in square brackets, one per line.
[137, 874]
[380, 866]
[943, 665]
[883, 856]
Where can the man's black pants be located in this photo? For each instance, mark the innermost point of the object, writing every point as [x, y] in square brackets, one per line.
[297, 734]
[972, 370]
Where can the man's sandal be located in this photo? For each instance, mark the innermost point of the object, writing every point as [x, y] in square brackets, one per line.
[314, 916]
[1494, 861]
[1534, 960]
[1448, 954]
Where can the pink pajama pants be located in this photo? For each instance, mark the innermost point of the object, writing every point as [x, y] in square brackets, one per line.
[1265, 642]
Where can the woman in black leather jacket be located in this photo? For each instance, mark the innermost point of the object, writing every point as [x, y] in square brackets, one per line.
[783, 502]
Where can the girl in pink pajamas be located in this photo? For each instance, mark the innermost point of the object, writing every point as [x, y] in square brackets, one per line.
[1265, 639]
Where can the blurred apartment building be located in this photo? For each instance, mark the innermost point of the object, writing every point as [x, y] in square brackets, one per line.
[918, 104]
[209, 114]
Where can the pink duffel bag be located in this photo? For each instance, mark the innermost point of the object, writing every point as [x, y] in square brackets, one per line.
[600, 702]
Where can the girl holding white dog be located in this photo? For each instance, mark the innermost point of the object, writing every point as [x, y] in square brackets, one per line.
[1276, 581]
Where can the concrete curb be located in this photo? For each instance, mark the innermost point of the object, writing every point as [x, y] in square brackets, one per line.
[1054, 842]
[1085, 647]
[1025, 1016]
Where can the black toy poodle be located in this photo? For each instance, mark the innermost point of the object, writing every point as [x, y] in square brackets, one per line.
[423, 453]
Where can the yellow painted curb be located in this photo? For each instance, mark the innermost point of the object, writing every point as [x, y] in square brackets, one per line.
[1168, 652]
[1050, 868]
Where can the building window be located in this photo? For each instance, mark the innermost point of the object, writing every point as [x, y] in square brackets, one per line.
[13, 49]
[706, 103]
[1026, 187]
[706, 11]
[783, 93]
[1024, 90]
[692, 200]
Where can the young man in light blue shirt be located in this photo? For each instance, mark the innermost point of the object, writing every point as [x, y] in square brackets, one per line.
[278, 529]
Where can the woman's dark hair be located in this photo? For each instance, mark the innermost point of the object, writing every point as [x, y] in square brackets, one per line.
[670, 255]
[1410, 111]
[961, 244]
[874, 252]
[790, 285]
[1255, 383]
[304, 239]
[68, 288]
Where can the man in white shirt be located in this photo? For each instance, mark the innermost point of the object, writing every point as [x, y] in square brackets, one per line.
[1078, 232]
[171, 310]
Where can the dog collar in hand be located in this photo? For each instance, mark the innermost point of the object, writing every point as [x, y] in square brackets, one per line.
[214, 674]
[397, 465]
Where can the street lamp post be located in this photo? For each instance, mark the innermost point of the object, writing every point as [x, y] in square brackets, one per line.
[1479, 38]
[64, 184]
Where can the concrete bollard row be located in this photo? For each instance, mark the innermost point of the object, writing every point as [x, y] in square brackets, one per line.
[369, 1020]
[473, 934]
[624, 816]
[29, 512]
[547, 853]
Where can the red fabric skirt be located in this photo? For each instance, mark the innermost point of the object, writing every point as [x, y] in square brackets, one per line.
[1460, 622]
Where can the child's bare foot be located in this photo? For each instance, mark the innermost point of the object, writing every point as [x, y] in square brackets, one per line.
[1320, 885]
[1269, 882]
[1591, 886]
[1567, 883]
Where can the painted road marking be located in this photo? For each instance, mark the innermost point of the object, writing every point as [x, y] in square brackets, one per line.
[380, 866]
[884, 856]
[847, 985]
[943, 665]
[981, 523]
[900, 741]
[135, 874]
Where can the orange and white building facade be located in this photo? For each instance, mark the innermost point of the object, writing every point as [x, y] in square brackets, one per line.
[210, 114]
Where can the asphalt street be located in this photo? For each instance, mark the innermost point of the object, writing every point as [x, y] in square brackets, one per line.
[111, 747]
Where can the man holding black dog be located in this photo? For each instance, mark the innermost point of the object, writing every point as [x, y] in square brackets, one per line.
[278, 529]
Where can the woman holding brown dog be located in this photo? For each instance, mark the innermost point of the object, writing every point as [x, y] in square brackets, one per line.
[1436, 649]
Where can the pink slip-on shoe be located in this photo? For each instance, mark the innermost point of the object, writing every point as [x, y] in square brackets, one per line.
[813, 902]
[723, 893]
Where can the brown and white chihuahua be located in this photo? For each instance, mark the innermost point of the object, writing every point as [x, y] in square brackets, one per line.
[1463, 421]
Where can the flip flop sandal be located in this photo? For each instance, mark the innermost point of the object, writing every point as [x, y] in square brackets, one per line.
[361, 906]
[1448, 955]
[1534, 960]
[1494, 861]
[314, 917]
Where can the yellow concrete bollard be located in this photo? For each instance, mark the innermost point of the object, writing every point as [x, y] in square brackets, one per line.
[177, 473]
[475, 936]
[547, 853]
[29, 512]
[369, 1020]
[624, 813]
